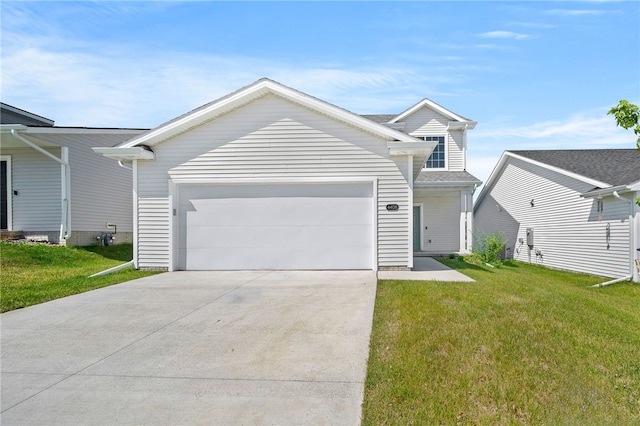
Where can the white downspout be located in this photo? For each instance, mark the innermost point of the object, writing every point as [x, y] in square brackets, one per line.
[135, 214]
[631, 244]
[65, 226]
[125, 166]
[464, 147]
[114, 269]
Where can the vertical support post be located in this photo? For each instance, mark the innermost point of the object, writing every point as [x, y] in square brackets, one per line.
[410, 212]
[135, 213]
[65, 191]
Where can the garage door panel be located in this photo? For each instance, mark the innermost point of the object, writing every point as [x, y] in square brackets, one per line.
[313, 226]
[279, 236]
[346, 190]
[238, 258]
[265, 212]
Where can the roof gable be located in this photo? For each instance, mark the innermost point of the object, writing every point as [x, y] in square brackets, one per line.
[427, 103]
[255, 91]
[12, 115]
[611, 166]
[602, 168]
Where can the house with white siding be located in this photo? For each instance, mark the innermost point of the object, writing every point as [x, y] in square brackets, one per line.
[269, 177]
[566, 209]
[54, 187]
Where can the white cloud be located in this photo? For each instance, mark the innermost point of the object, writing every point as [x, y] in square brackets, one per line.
[592, 129]
[122, 88]
[492, 46]
[504, 35]
[576, 12]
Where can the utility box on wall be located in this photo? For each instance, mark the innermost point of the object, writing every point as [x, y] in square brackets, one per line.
[530, 237]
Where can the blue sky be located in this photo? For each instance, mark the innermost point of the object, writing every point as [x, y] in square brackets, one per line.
[535, 75]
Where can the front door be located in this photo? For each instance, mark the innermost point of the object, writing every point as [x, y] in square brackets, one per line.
[417, 227]
[4, 195]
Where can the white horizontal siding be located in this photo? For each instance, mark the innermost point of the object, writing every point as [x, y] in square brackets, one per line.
[37, 180]
[101, 190]
[426, 122]
[153, 232]
[455, 152]
[274, 139]
[568, 230]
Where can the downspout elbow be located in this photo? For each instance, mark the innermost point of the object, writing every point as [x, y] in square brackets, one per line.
[124, 166]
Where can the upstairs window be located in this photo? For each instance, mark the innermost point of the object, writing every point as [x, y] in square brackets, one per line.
[437, 160]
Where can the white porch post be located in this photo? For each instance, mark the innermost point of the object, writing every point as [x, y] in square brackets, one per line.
[466, 222]
[135, 213]
[410, 210]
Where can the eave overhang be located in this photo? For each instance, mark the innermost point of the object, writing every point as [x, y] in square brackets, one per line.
[606, 192]
[461, 125]
[416, 147]
[126, 153]
[255, 91]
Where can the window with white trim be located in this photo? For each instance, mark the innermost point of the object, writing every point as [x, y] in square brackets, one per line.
[437, 160]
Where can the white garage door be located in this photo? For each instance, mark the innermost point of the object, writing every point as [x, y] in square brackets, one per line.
[288, 226]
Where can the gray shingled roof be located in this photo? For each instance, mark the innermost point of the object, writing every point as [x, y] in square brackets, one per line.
[612, 166]
[436, 176]
[380, 118]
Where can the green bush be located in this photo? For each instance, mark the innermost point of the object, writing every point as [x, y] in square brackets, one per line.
[488, 248]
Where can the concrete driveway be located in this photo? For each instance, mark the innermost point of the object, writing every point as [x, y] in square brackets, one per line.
[181, 348]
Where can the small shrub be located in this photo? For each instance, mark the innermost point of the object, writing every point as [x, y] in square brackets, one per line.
[453, 256]
[488, 248]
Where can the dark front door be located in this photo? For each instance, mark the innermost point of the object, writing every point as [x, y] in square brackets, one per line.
[4, 188]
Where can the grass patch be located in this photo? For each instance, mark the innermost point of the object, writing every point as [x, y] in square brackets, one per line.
[37, 273]
[522, 345]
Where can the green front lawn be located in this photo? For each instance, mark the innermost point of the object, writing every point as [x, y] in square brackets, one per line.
[31, 274]
[522, 345]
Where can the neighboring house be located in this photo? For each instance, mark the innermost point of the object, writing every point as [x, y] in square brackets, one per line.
[566, 209]
[271, 178]
[55, 188]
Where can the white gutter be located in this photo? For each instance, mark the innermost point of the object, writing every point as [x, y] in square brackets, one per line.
[114, 269]
[65, 226]
[631, 244]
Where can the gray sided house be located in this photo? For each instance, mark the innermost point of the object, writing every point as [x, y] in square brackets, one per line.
[566, 209]
[55, 188]
[269, 177]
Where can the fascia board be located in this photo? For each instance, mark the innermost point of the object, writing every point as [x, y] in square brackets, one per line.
[415, 147]
[576, 176]
[252, 92]
[79, 131]
[6, 128]
[125, 153]
[455, 125]
[635, 186]
[606, 191]
[497, 170]
[427, 185]
[432, 105]
[195, 118]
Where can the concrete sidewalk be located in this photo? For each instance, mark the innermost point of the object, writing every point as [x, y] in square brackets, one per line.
[193, 348]
[426, 269]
